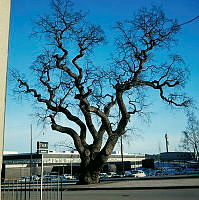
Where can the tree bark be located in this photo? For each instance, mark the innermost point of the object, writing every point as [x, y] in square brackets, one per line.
[92, 162]
[88, 175]
[90, 170]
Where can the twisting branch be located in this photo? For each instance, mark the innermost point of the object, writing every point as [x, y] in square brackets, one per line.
[57, 109]
[77, 141]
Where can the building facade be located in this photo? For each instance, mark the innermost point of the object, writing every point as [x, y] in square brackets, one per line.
[25, 164]
[176, 156]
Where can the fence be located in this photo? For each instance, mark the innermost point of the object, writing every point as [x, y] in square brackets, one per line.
[34, 190]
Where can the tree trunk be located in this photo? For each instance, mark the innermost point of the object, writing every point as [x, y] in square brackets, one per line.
[90, 168]
[92, 162]
[89, 176]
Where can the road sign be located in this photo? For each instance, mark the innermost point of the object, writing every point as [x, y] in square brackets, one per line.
[42, 147]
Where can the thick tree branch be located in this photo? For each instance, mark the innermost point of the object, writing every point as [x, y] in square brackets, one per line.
[77, 140]
[57, 109]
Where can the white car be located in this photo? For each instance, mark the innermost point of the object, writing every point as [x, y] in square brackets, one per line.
[28, 179]
[67, 176]
[138, 173]
[103, 175]
[113, 175]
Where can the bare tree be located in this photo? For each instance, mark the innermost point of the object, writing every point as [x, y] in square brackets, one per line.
[190, 140]
[71, 89]
[65, 145]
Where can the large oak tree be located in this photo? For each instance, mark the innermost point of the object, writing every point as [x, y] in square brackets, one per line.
[101, 100]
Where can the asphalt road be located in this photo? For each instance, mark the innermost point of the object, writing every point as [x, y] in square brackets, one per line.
[154, 194]
[160, 194]
[160, 189]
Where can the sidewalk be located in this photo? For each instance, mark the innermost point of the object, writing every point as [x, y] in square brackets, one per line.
[140, 184]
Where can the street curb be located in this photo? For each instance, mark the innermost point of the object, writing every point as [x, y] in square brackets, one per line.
[150, 178]
[131, 188]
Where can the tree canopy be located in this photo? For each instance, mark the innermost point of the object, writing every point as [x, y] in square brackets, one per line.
[100, 100]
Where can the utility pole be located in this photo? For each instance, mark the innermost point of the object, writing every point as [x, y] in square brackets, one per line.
[71, 165]
[167, 143]
[31, 151]
[122, 156]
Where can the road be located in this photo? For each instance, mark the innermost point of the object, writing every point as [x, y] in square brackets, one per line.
[143, 189]
[160, 194]
[149, 194]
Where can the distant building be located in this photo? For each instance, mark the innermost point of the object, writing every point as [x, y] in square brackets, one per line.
[176, 156]
[17, 165]
[155, 157]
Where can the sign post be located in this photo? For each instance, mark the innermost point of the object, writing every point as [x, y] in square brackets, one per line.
[42, 148]
[4, 37]
[42, 176]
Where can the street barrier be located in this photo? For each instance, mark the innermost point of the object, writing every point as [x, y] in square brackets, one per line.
[31, 190]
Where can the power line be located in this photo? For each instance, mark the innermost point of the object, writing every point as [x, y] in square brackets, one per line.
[189, 21]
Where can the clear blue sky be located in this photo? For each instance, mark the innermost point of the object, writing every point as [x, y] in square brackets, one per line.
[23, 50]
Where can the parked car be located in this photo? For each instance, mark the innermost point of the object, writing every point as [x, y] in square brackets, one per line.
[170, 171]
[51, 179]
[149, 172]
[159, 173]
[103, 175]
[110, 174]
[24, 179]
[190, 171]
[28, 179]
[128, 174]
[138, 173]
[113, 175]
[67, 176]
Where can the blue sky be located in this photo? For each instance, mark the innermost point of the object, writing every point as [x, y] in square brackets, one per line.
[24, 49]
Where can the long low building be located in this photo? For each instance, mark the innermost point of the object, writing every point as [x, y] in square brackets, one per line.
[23, 164]
[176, 156]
